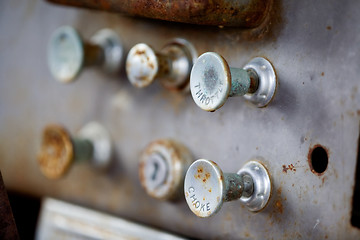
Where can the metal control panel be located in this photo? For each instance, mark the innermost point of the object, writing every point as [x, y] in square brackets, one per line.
[305, 137]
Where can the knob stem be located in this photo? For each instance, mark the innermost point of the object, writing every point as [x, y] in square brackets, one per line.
[94, 54]
[83, 149]
[237, 186]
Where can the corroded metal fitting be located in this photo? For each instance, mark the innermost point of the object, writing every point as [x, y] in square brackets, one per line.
[171, 66]
[212, 81]
[59, 150]
[162, 169]
[206, 187]
[68, 54]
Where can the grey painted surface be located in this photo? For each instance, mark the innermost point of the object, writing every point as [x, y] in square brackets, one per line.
[315, 50]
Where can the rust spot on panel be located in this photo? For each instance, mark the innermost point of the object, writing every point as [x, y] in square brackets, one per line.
[278, 206]
[328, 27]
[288, 167]
[322, 74]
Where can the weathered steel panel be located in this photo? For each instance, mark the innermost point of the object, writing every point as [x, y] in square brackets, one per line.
[314, 47]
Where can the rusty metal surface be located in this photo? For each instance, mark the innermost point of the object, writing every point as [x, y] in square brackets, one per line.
[314, 48]
[56, 153]
[240, 13]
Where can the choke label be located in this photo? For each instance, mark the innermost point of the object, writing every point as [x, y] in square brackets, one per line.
[196, 201]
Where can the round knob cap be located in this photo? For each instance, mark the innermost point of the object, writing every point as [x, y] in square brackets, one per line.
[65, 54]
[142, 65]
[56, 153]
[210, 81]
[59, 150]
[162, 169]
[204, 188]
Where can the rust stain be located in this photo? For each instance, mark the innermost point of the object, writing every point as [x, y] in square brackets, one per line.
[278, 206]
[288, 167]
[203, 12]
[329, 28]
[209, 190]
[322, 74]
[151, 65]
[204, 176]
[140, 52]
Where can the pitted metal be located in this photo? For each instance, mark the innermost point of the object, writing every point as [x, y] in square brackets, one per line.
[56, 153]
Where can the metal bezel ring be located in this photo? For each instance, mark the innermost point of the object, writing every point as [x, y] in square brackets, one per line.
[112, 47]
[191, 55]
[267, 82]
[262, 186]
[102, 147]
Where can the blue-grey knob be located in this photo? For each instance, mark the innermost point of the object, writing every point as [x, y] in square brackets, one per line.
[68, 54]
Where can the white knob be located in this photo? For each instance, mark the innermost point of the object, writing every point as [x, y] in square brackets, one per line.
[206, 187]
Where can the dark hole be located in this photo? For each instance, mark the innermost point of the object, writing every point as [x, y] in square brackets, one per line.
[319, 159]
[355, 213]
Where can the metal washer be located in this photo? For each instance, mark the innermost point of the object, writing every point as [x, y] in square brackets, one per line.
[190, 53]
[267, 82]
[113, 49]
[101, 141]
[262, 186]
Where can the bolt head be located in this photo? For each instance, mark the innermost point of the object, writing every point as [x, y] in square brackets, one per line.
[65, 54]
[210, 81]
